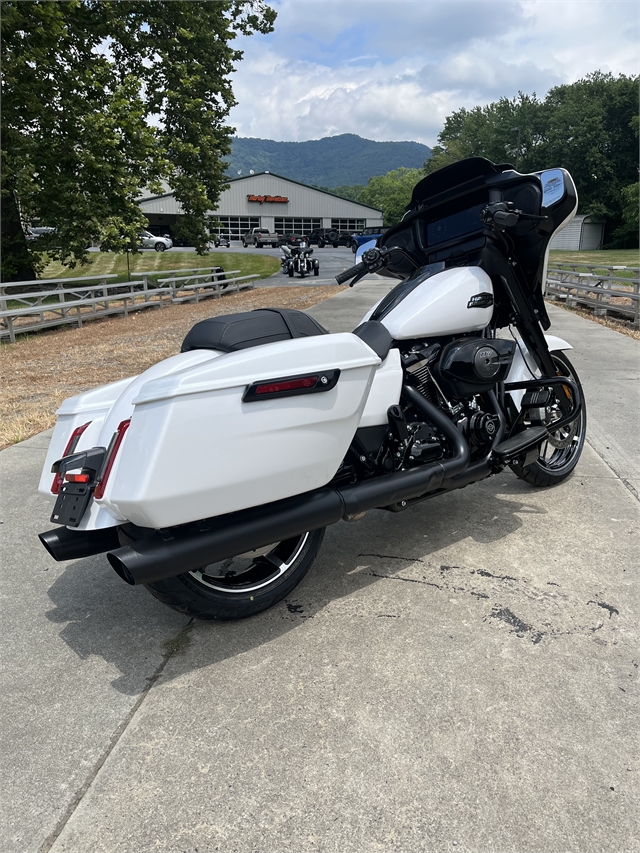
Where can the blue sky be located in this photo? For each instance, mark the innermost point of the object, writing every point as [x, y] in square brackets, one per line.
[394, 69]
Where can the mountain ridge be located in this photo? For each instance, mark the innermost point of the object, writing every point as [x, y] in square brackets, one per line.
[328, 162]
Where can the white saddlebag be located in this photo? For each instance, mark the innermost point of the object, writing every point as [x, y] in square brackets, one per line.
[194, 449]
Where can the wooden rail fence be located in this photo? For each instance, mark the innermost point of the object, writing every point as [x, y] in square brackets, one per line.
[23, 308]
[605, 293]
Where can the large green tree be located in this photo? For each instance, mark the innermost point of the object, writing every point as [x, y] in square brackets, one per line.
[391, 192]
[589, 127]
[102, 99]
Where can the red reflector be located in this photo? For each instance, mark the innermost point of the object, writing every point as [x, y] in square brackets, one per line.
[116, 441]
[77, 478]
[289, 385]
[71, 446]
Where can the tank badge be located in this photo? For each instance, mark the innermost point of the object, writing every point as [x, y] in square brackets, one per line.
[481, 300]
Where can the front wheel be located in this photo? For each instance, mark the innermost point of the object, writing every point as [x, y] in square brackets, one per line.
[243, 585]
[159, 247]
[560, 453]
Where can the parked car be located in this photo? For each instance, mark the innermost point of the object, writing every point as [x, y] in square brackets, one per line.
[366, 236]
[291, 239]
[150, 241]
[259, 236]
[322, 236]
[39, 231]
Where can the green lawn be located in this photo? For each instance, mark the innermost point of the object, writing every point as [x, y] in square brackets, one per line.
[105, 263]
[606, 258]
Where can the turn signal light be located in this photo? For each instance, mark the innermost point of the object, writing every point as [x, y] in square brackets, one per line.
[112, 452]
[69, 449]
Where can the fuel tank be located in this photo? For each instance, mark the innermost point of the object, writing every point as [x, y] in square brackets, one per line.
[450, 302]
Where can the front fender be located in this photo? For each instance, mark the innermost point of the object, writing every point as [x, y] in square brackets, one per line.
[523, 366]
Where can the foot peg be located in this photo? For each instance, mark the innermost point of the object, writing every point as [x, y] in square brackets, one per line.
[511, 448]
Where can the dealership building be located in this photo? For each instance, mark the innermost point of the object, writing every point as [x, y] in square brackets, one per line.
[268, 201]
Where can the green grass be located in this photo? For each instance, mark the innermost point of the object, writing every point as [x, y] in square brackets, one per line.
[107, 263]
[603, 259]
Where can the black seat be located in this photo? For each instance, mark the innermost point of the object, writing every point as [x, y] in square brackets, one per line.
[376, 336]
[232, 332]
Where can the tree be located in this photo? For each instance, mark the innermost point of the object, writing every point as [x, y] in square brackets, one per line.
[103, 99]
[391, 192]
[589, 127]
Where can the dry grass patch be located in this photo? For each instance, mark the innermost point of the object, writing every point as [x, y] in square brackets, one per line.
[39, 371]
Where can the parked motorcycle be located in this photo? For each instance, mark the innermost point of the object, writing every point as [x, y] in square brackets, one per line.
[301, 262]
[448, 380]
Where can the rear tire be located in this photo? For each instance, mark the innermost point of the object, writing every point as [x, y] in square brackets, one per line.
[555, 463]
[290, 272]
[316, 271]
[241, 586]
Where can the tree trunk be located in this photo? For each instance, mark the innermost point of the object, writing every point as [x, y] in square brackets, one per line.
[17, 263]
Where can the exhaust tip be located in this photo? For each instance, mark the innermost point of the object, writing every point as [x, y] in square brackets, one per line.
[48, 539]
[120, 569]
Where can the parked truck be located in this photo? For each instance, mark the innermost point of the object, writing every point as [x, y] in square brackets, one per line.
[258, 237]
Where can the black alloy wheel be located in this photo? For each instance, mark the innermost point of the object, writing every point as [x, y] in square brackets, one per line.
[560, 452]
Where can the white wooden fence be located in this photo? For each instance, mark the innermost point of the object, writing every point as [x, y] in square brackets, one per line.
[76, 300]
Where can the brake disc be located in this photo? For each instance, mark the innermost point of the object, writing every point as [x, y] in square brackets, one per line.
[564, 436]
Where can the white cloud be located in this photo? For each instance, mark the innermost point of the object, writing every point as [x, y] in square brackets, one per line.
[395, 70]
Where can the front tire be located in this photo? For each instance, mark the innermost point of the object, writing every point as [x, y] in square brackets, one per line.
[244, 585]
[159, 247]
[560, 454]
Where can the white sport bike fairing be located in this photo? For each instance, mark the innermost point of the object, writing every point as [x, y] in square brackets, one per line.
[211, 476]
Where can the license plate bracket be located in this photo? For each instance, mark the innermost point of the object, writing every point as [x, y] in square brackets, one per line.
[72, 503]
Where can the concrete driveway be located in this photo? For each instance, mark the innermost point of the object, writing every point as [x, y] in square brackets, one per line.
[462, 676]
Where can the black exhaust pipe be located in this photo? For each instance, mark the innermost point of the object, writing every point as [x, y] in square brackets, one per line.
[65, 544]
[165, 555]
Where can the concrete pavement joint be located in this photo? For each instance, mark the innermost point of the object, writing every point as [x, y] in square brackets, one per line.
[624, 482]
[172, 647]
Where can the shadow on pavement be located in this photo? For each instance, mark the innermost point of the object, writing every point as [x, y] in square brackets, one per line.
[104, 617]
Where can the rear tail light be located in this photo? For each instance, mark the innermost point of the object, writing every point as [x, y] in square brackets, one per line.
[112, 452]
[69, 449]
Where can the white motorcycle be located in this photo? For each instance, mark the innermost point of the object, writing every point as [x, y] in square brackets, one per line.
[211, 477]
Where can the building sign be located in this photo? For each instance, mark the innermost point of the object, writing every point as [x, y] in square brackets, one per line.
[270, 199]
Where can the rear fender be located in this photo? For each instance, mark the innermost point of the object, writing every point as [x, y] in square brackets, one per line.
[103, 409]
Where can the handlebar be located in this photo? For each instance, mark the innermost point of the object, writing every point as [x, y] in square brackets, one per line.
[504, 215]
[351, 273]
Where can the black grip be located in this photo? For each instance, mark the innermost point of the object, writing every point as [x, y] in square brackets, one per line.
[350, 273]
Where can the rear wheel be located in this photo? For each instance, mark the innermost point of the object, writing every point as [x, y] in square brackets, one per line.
[243, 585]
[290, 272]
[560, 453]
